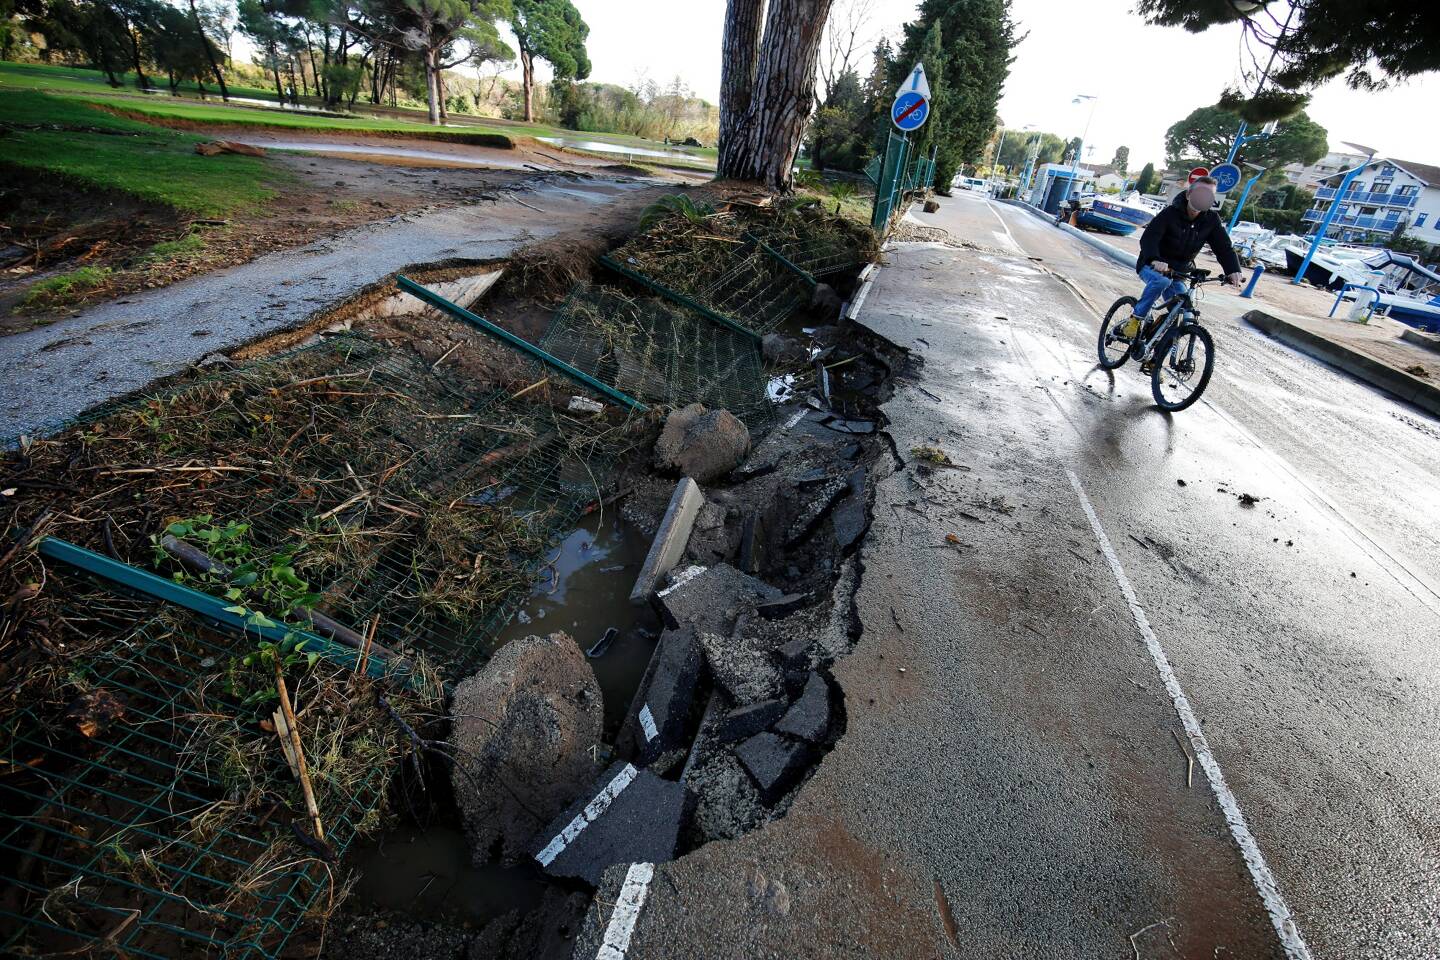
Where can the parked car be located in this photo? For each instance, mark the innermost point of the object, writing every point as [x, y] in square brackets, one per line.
[971, 183]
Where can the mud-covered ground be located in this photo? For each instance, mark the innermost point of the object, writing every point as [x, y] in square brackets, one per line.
[338, 183]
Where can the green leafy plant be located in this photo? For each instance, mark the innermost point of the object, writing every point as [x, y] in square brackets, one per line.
[676, 203]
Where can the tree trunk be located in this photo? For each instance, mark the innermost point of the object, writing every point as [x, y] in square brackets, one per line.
[209, 54]
[141, 80]
[440, 88]
[527, 68]
[767, 136]
[432, 91]
[740, 51]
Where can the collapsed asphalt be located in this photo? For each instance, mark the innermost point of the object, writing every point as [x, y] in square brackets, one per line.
[1015, 780]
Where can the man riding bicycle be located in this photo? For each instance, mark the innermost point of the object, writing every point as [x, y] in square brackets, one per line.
[1170, 243]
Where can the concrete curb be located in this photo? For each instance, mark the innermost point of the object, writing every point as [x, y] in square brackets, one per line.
[1427, 340]
[1110, 250]
[670, 540]
[1398, 383]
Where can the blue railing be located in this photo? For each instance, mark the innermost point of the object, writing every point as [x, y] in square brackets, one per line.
[1365, 223]
[1361, 196]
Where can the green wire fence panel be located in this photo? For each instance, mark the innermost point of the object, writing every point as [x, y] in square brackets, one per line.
[738, 280]
[661, 352]
[388, 488]
[148, 814]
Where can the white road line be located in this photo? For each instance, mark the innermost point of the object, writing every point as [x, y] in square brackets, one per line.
[1264, 880]
[584, 818]
[627, 912]
[1013, 242]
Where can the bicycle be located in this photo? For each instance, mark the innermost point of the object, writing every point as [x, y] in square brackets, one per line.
[1173, 346]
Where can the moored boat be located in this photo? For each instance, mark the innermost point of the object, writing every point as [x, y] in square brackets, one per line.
[1119, 216]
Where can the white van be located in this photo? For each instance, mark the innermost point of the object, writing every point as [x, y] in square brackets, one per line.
[970, 183]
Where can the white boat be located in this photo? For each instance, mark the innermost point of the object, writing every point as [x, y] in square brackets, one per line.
[1331, 266]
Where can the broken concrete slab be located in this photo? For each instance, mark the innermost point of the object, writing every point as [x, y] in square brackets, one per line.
[714, 539]
[524, 728]
[782, 607]
[815, 509]
[745, 671]
[746, 721]
[808, 718]
[659, 719]
[669, 544]
[702, 444]
[851, 517]
[774, 763]
[628, 816]
[711, 598]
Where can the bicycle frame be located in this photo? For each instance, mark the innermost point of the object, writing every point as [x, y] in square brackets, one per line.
[1177, 308]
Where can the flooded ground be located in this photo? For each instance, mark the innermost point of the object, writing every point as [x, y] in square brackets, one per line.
[599, 146]
[427, 874]
[376, 152]
[585, 591]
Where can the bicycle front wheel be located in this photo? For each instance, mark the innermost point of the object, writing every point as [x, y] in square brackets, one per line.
[1182, 368]
[1114, 349]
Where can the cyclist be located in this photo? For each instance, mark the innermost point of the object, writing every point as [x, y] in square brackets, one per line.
[1171, 241]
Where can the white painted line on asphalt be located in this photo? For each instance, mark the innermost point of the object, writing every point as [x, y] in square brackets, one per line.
[585, 817]
[647, 723]
[1013, 242]
[1280, 915]
[627, 912]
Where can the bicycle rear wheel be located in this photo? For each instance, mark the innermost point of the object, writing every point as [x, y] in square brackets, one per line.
[1113, 349]
[1182, 368]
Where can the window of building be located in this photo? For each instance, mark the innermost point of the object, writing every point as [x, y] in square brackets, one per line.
[1420, 220]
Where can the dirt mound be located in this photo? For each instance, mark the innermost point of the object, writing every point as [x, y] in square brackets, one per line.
[524, 727]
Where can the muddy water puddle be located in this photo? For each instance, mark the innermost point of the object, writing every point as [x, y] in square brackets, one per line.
[367, 150]
[427, 874]
[585, 591]
[620, 150]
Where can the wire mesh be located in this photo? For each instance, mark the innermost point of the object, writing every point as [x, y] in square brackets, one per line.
[660, 352]
[137, 830]
[399, 491]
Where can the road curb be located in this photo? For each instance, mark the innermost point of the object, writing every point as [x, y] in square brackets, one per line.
[1109, 250]
[1427, 340]
[1398, 383]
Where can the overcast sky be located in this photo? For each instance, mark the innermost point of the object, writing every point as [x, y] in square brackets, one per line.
[1146, 77]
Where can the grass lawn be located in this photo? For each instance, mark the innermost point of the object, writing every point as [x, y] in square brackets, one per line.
[96, 149]
[91, 85]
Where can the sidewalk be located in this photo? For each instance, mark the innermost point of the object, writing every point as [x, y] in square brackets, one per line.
[1373, 352]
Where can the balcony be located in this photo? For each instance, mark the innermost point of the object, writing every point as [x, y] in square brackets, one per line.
[1387, 224]
[1361, 196]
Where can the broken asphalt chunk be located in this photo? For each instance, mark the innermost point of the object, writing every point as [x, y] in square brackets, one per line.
[813, 512]
[711, 599]
[859, 427]
[629, 816]
[782, 607]
[746, 721]
[809, 717]
[774, 763]
[661, 710]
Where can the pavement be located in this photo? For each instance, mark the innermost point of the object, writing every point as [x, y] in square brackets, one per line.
[1127, 684]
[53, 373]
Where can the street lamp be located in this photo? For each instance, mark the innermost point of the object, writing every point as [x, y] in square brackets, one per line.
[1075, 164]
[998, 151]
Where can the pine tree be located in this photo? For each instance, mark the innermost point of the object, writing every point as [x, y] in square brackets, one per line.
[966, 71]
[1146, 183]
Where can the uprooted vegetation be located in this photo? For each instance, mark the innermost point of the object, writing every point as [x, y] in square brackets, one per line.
[371, 512]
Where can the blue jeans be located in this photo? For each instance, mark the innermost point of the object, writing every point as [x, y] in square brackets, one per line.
[1158, 286]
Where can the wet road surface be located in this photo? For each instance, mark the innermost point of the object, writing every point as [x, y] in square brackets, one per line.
[1100, 707]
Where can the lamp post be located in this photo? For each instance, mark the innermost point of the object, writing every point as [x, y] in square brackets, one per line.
[998, 151]
[1029, 173]
[1349, 178]
[1075, 164]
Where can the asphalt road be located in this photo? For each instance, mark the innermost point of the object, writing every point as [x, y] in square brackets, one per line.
[1100, 706]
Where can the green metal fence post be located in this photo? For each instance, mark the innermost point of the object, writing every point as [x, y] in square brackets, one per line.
[524, 346]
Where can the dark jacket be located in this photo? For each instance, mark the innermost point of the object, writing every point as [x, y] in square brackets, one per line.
[1174, 238]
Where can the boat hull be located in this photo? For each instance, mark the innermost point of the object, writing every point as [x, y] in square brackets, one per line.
[1316, 273]
[1113, 218]
[1414, 313]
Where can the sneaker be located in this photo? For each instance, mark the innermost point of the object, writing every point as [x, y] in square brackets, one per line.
[1132, 327]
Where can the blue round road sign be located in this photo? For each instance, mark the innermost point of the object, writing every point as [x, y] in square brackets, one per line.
[1227, 175]
[910, 111]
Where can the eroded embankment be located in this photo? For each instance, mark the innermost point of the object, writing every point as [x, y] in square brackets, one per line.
[376, 506]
